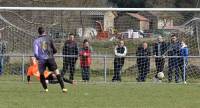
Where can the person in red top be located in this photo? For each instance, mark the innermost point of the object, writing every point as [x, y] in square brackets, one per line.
[85, 60]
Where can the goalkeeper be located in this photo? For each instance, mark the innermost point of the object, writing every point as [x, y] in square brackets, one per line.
[49, 76]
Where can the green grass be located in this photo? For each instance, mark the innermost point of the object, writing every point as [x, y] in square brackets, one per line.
[15, 94]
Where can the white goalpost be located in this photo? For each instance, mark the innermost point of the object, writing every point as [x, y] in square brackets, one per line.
[97, 9]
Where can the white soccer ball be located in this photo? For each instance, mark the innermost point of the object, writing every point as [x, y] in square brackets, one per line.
[160, 75]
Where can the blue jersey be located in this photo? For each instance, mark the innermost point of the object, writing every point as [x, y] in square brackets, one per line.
[184, 52]
[44, 48]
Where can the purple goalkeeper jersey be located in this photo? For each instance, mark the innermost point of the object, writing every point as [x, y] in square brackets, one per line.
[44, 47]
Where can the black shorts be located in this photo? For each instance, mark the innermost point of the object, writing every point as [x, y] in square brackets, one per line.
[50, 77]
[50, 63]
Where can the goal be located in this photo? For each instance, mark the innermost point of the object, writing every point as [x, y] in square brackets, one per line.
[104, 27]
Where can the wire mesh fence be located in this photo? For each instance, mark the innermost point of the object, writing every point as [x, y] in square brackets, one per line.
[102, 69]
[103, 29]
[19, 28]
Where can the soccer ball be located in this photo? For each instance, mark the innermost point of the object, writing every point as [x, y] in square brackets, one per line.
[160, 75]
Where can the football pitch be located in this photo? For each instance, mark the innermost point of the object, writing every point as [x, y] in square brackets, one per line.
[15, 94]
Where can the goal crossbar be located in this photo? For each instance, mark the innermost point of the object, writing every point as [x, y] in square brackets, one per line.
[98, 9]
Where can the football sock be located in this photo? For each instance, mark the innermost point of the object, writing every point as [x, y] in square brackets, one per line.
[60, 81]
[42, 80]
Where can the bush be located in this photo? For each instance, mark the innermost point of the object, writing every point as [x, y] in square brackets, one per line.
[15, 68]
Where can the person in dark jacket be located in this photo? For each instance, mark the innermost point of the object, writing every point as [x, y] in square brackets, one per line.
[2, 52]
[159, 49]
[70, 53]
[120, 53]
[143, 62]
[183, 61]
[44, 51]
[85, 60]
[173, 50]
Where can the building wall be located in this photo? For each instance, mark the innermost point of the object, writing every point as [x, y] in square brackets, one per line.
[144, 25]
[153, 22]
[108, 20]
[125, 22]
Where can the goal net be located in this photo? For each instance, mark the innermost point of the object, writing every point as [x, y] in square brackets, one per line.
[103, 28]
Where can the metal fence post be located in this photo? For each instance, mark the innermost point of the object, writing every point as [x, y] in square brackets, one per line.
[105, 69]
[2, 63]
[197, 34]
[23, 68]
[184, 69]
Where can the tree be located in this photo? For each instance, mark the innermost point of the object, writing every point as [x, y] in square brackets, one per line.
[160, 3]
[129, 3]
[171, 3]
[186, 3]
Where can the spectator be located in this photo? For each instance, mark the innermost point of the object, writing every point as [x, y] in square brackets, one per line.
[2, 52]
[143, 62]
[70, 52]
[184, 52]
[85, 60]
[173, 50]
[159, 49]
[120, 53]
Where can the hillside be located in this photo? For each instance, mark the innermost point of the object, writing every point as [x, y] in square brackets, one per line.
[104, 3]
[56, 3]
